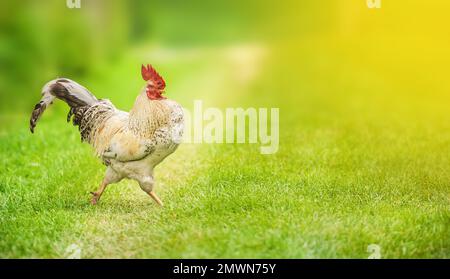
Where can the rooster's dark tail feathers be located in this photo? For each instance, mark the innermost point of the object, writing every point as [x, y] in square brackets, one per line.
[75, 95]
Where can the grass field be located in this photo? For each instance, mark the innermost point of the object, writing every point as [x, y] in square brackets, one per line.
[362, 161]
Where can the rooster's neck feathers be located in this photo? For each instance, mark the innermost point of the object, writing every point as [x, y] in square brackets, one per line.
[146, 116]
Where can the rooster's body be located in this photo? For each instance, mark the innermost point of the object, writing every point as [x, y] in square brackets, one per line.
[130, 144]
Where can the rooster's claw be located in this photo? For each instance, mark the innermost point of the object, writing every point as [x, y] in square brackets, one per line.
[94, 199]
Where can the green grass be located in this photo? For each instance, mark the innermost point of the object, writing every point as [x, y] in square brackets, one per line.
[360, 162]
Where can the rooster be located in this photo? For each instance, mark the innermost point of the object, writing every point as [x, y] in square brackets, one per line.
[131, 143]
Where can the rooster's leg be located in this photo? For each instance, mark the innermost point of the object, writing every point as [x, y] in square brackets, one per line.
[155, 198]
[98, 194]
[110, 177]
[147, 184]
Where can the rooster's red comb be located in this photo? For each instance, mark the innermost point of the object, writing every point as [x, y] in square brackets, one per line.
[149, 73]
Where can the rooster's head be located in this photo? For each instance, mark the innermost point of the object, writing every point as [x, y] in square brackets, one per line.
[155, 83]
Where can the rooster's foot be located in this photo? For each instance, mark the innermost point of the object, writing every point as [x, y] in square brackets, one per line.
[95, 198]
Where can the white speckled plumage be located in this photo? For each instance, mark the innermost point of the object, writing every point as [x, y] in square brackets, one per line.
[130, 144]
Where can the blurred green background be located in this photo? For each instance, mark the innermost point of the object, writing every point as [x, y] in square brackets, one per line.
[364, 101]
